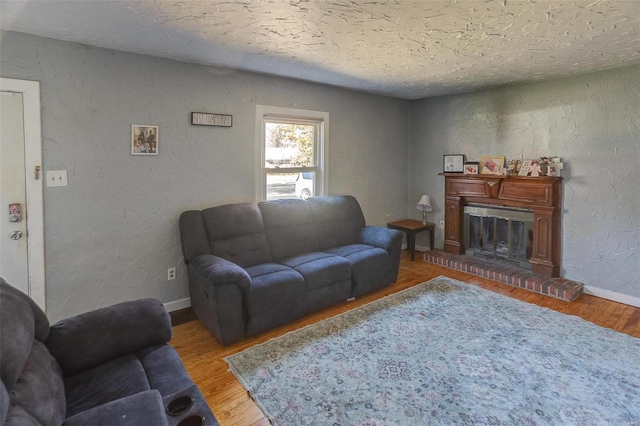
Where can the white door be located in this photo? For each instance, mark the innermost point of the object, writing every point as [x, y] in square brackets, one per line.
[21, 201]
[13, 196]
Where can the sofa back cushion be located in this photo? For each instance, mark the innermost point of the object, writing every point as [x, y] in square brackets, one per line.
[31, 376]
[336, 220]
[289, 227]
[136, 323]
[193, 235]
[236, 233]
[39, 391]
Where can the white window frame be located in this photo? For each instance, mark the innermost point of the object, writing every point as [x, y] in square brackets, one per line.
[321, 150]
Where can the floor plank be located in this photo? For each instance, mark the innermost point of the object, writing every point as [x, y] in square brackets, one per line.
[232, 405]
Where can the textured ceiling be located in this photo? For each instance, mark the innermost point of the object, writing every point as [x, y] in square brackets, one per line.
[406, 49]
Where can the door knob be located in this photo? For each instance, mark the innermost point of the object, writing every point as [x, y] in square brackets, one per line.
[16, 235]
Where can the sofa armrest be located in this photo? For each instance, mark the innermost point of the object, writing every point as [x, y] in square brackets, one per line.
[385, 238]
[90, 339]
[219, 271]
[144, 408]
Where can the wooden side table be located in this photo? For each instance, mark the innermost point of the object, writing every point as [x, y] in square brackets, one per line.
[412, 227]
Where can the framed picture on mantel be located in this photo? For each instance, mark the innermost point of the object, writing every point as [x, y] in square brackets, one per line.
[453, 163]
[471, 167]
[491, 164]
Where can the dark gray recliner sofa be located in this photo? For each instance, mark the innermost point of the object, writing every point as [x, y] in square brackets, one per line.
[107, 367]
[253, 267]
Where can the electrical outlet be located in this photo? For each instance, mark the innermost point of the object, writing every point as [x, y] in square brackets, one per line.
[442, 224]
[171, 274]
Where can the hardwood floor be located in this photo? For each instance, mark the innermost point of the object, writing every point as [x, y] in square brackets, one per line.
[203, 355]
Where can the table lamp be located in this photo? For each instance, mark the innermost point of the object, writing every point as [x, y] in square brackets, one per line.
[424, 205]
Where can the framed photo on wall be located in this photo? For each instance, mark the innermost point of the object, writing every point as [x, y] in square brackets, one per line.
[491, 164]
[144, 139]
[453, 163]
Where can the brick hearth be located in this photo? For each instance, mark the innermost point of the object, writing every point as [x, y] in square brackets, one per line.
[560, 288]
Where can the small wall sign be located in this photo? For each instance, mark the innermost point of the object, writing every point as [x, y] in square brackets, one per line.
[206, 119]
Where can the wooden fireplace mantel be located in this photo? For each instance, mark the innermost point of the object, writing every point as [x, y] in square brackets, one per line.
[542, 195]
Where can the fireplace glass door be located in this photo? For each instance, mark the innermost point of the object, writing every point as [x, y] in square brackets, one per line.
[499, 234]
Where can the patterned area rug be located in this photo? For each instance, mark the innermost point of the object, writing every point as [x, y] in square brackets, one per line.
[446, 353]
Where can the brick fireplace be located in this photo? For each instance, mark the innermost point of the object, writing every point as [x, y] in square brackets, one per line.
[542, 196]
[560, 288]
[538, 198]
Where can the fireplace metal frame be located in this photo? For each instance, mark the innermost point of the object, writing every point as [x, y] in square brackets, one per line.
[510, 215]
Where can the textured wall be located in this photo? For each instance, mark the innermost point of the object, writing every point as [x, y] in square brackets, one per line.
[112, 233]
[592, 121]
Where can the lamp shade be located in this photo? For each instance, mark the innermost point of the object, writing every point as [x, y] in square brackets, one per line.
[424, 204]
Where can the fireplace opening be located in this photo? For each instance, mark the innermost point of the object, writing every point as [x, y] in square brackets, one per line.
[500, 234]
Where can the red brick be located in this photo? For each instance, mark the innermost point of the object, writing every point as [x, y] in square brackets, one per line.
[545, 284]
[561, 288]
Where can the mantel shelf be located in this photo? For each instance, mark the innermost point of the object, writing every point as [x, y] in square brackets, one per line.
[508, 177]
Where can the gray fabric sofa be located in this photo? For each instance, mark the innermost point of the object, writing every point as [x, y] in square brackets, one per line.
[107, 367]
[253, 267]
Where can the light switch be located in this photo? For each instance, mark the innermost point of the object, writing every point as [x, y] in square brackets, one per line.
[56, 178]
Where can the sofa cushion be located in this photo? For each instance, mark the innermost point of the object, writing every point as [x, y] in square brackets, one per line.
[21, 321]
[4, 403]
[142, 409]
[107, 382]
[277, 296]
[273, 285]
[320, 269]
[336, 220]
[289, 227]
[370, 267]
[17, 416]
[236, 233]
[193, 235]
[39, 389]
[89, 339]
[164, 369]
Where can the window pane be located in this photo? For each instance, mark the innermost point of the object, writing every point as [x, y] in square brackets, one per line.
[289, 145]
[290, 185]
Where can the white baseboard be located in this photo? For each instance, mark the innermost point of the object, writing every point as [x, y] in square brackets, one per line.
[612, 295]
[176, 305]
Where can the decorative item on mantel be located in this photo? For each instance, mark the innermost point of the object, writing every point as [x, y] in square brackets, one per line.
[491, 164]
[471, 167]
[513, 167]
[554, 166]
[544, 166]
[453, 163]
[424, 205]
